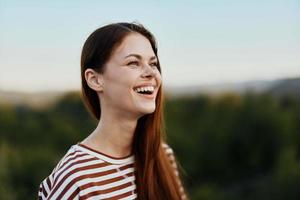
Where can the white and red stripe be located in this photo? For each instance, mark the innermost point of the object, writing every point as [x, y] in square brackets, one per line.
[84, 173]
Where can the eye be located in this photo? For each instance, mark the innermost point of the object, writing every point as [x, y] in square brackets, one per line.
[154, 64]
[133, 63]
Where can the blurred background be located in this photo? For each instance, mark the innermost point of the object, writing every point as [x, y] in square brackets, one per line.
[231, 73]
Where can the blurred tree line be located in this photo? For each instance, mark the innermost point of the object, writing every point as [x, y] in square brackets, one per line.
[230, 147]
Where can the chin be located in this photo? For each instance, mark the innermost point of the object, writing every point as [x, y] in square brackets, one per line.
[148, 110]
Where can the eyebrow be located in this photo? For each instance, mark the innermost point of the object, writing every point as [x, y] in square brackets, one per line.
[139, 56]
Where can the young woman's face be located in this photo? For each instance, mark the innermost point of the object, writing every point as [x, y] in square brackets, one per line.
[132, 65]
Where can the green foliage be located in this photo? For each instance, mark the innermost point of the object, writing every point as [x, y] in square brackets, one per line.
[231, 147]
[235, 143]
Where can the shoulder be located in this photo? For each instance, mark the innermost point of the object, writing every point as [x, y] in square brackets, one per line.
[169, 151]
[62, 182]
[77, 171]
[170, 154]
[167, 148]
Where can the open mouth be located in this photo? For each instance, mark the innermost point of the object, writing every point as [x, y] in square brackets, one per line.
[145, 91]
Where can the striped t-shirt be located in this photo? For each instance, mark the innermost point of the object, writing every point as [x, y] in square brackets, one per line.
[84, 173]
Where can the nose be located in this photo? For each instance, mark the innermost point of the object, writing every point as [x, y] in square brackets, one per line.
[148, 71]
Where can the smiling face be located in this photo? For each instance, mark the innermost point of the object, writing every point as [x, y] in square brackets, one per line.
[131, 65]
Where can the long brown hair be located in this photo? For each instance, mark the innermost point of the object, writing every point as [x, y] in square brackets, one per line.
[155, 177]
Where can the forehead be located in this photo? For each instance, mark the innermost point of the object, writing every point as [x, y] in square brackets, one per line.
[134, 43]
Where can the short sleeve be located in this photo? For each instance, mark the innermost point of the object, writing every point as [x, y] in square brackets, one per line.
[64, 189]
[44, 189]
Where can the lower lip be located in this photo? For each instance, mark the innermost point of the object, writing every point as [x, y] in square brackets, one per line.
[148, 96]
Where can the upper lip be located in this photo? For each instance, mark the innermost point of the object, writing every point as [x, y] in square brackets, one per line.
[145, 85]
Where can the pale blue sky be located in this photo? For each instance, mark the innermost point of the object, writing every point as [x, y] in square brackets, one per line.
[200, 42]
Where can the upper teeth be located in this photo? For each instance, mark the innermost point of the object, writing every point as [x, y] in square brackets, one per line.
[142, 89]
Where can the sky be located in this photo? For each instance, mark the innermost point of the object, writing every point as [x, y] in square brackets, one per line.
[199, 42]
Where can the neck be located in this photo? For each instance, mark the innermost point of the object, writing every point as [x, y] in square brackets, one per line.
[113, 136]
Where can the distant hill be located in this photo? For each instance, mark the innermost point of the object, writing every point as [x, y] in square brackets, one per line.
[275, 87]
[36, 100]
[286, 87]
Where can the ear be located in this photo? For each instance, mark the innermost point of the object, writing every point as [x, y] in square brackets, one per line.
[94, 79]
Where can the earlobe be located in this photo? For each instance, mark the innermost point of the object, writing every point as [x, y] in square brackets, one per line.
[94, 79]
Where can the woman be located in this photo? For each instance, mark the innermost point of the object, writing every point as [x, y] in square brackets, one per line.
[125, 157]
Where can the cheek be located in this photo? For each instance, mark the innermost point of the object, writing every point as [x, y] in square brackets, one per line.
[120, 82]
[122, 85]
[158, 77]
[119, 94]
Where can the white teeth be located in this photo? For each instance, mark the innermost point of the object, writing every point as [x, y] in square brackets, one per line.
[142, 89]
